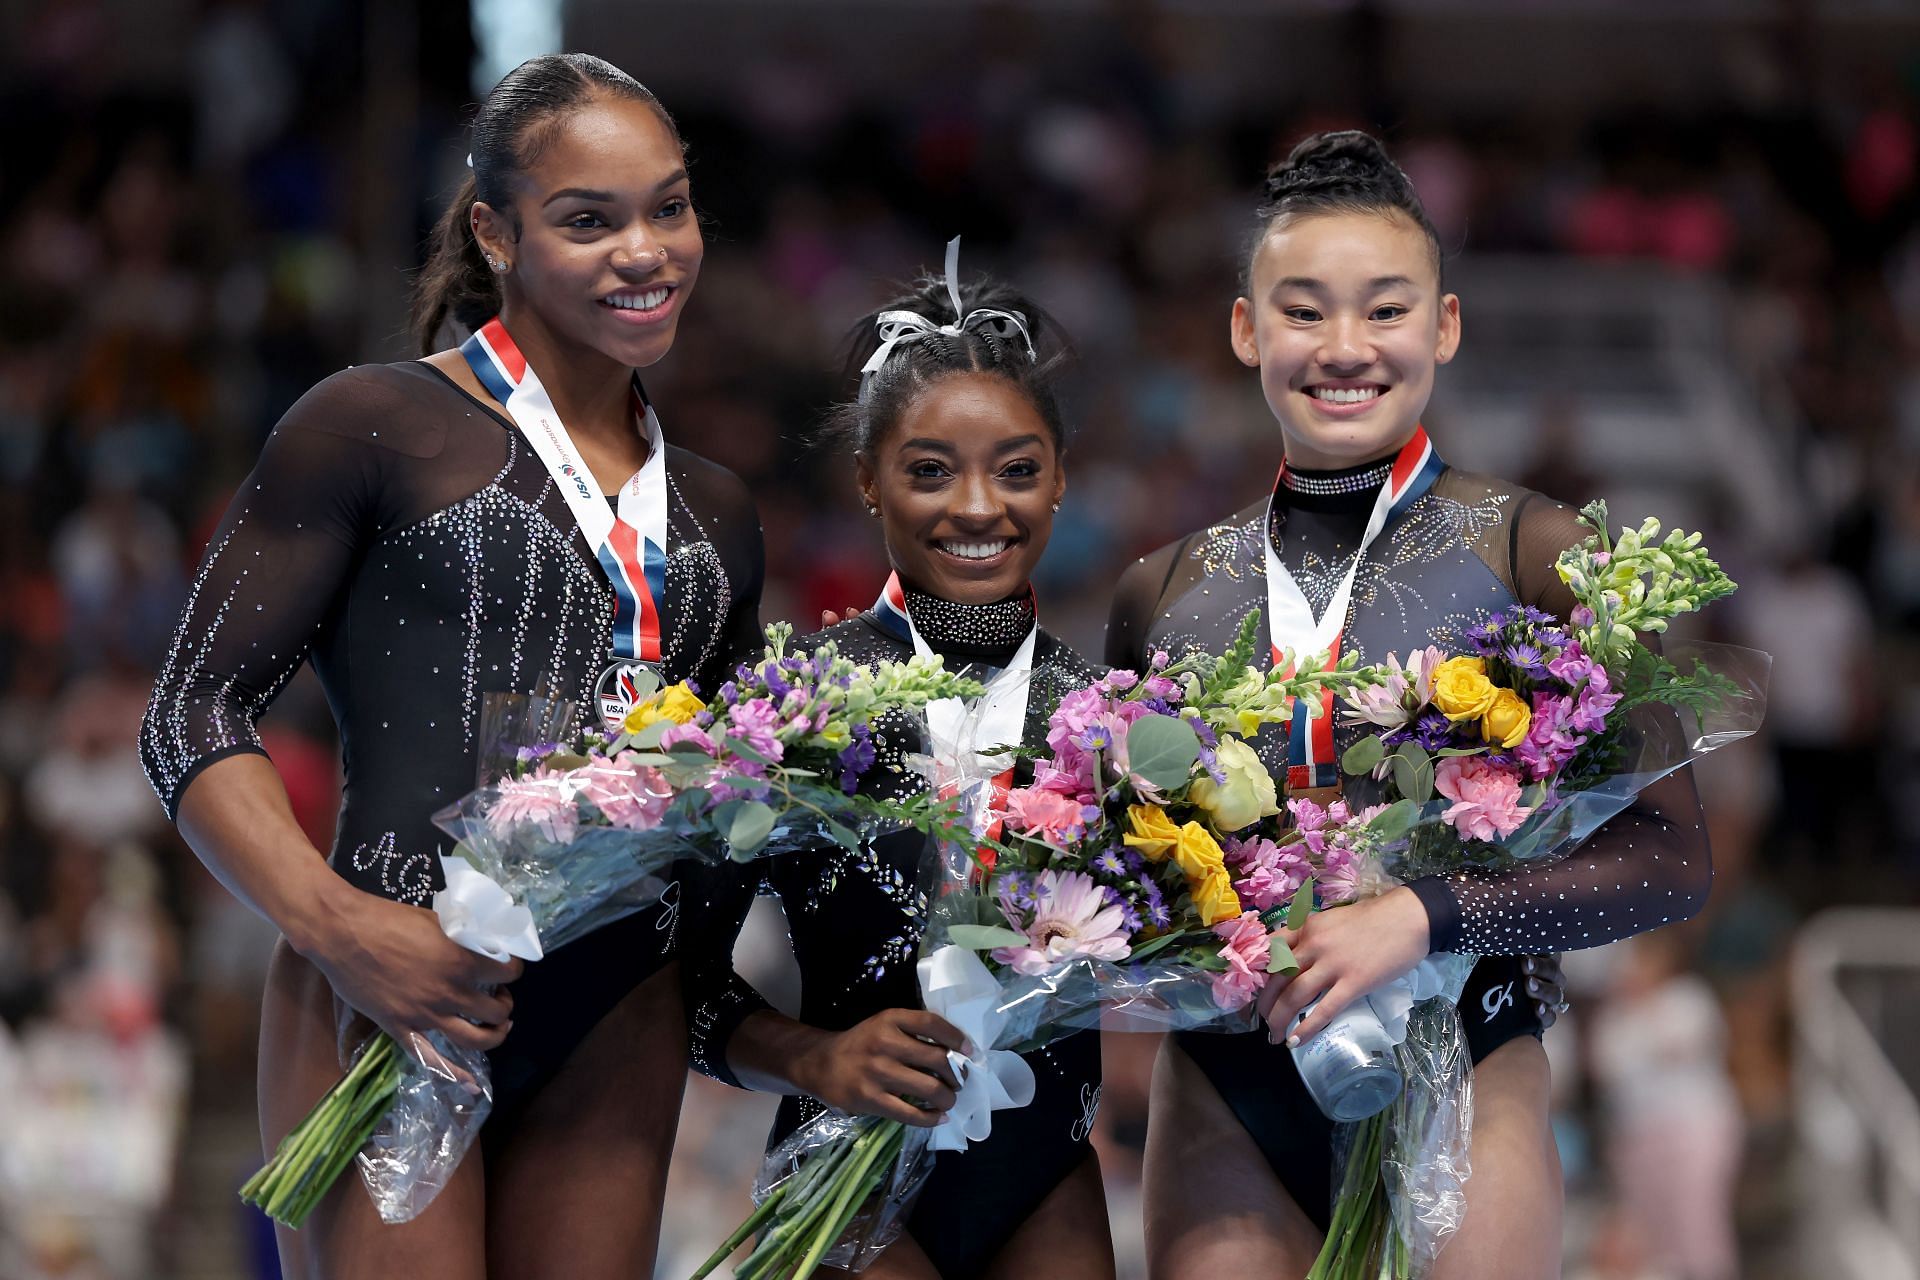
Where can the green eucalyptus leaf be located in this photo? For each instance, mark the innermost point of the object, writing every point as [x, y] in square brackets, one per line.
[1162, 750]
[1363, 755]
[1280, 957]
[1301, 907]
[984, 937]
[748, 829]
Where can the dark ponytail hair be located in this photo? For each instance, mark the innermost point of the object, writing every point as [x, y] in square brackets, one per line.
[989, 347]
[510, 129]
[1344, 172]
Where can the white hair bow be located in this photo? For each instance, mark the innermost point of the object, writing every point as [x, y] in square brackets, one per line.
[896, 327]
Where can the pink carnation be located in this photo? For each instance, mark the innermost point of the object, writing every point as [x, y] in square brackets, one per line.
[1246, 955]
[1486, 797]
[544, 798]
[1054, 817]
[632, 799]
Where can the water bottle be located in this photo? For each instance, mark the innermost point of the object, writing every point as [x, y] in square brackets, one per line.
[1348, 1067]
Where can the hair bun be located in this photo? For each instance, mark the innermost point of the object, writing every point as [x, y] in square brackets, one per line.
[1344, 160]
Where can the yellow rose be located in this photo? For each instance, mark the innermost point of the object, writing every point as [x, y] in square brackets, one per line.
[1214, 898]
[1507, 720]
[1150, 831]
[1245, 797]
[1197, 853]
[676, 702]
[1461, 689]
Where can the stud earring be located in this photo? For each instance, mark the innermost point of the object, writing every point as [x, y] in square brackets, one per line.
[873, 510]
[1056, 506]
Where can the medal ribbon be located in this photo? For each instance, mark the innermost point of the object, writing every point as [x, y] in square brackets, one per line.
[1000, 715]
[1290, 624]
[632, 547]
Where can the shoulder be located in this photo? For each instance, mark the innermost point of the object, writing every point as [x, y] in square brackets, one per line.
[857, 638]
[389, 407]
[709, 475]
[1053, 654]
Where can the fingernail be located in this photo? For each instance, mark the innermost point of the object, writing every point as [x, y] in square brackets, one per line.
[1293, 1042]
[1526, 966]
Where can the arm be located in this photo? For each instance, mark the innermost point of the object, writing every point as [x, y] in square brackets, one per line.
[1135, 598]
[282, 554]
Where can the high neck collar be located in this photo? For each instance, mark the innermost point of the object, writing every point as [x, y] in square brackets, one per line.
[984, 631]
[1339, 489]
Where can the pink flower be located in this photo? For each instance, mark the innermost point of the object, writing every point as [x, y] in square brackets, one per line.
[689, 734]
[1593, 702]
[1349, 876]
[1121, 679]
[1551, 741]
[756, 722]
[544, 798]
[1269, 874]
[632, 799]
[1054, 817]
[1486, 797]
[1072, 916]
[1572, 664]
[1246, 955]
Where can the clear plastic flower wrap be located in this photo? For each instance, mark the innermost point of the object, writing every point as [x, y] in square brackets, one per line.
[568, 833]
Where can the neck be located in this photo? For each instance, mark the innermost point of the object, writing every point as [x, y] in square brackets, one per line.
[591, 393]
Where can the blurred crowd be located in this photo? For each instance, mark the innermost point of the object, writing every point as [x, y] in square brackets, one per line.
[184, 250]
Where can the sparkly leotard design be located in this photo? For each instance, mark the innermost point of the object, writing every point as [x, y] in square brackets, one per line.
[401, 534]
[855, 921]
[1470, 545]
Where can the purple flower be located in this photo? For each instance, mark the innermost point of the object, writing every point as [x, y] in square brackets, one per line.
[1155, 905]
[1525, 658]
[1109, 864]
[1433, 731]
[856, 758]
[1094, 737]
[1581, 616]
[1572, 666]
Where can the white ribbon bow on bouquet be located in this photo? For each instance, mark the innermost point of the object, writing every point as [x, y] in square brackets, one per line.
[1441, 974]
[481, 916]
[957, 986]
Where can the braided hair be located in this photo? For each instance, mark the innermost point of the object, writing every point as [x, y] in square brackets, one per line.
[1344, 172]
[916, 364]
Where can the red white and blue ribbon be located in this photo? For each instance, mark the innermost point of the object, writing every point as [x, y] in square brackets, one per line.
[1290, 622]
[631, 548]
[998, 718]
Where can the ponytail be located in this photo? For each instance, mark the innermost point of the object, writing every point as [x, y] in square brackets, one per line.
[456, 284]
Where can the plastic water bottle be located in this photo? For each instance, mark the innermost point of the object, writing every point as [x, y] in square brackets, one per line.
[1348, 1067]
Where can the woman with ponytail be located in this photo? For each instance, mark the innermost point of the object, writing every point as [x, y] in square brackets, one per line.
[498, 515]
[958, 449]
[1344, 314]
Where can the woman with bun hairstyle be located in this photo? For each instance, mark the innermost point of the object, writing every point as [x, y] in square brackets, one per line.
[1345, 316]
[426, 533]
[957, 449]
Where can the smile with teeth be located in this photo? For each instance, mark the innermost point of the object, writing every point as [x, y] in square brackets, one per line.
[1346, 395]
[637, 301]
[986, 550]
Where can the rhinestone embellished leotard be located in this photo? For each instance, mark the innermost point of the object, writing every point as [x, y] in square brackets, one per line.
[402, 535]
[1470, 545]
[855, 922]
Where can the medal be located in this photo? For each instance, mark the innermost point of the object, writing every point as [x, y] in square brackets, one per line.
[624, 682]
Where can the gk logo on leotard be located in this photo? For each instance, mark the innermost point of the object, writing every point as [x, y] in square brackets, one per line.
[1496, 999]
[1089, 1108]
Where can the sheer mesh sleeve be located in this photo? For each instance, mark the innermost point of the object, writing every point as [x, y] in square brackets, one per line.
[1135, 598]
[717, 998]
[1648, 867]
[282, 553]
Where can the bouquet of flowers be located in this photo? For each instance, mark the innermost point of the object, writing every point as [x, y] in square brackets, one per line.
[573, 836]
[1511, 753]
[1129, 881]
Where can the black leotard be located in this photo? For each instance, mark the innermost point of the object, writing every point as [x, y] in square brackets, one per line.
[1470, 545]
[856, 920]
[402, 534]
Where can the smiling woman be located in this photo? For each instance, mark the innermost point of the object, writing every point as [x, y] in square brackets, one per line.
[957, 444]
[433, 531]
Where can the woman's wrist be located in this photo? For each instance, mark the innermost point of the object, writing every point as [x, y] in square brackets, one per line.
[773, 1053]
[316, 917]
[1411, 911]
